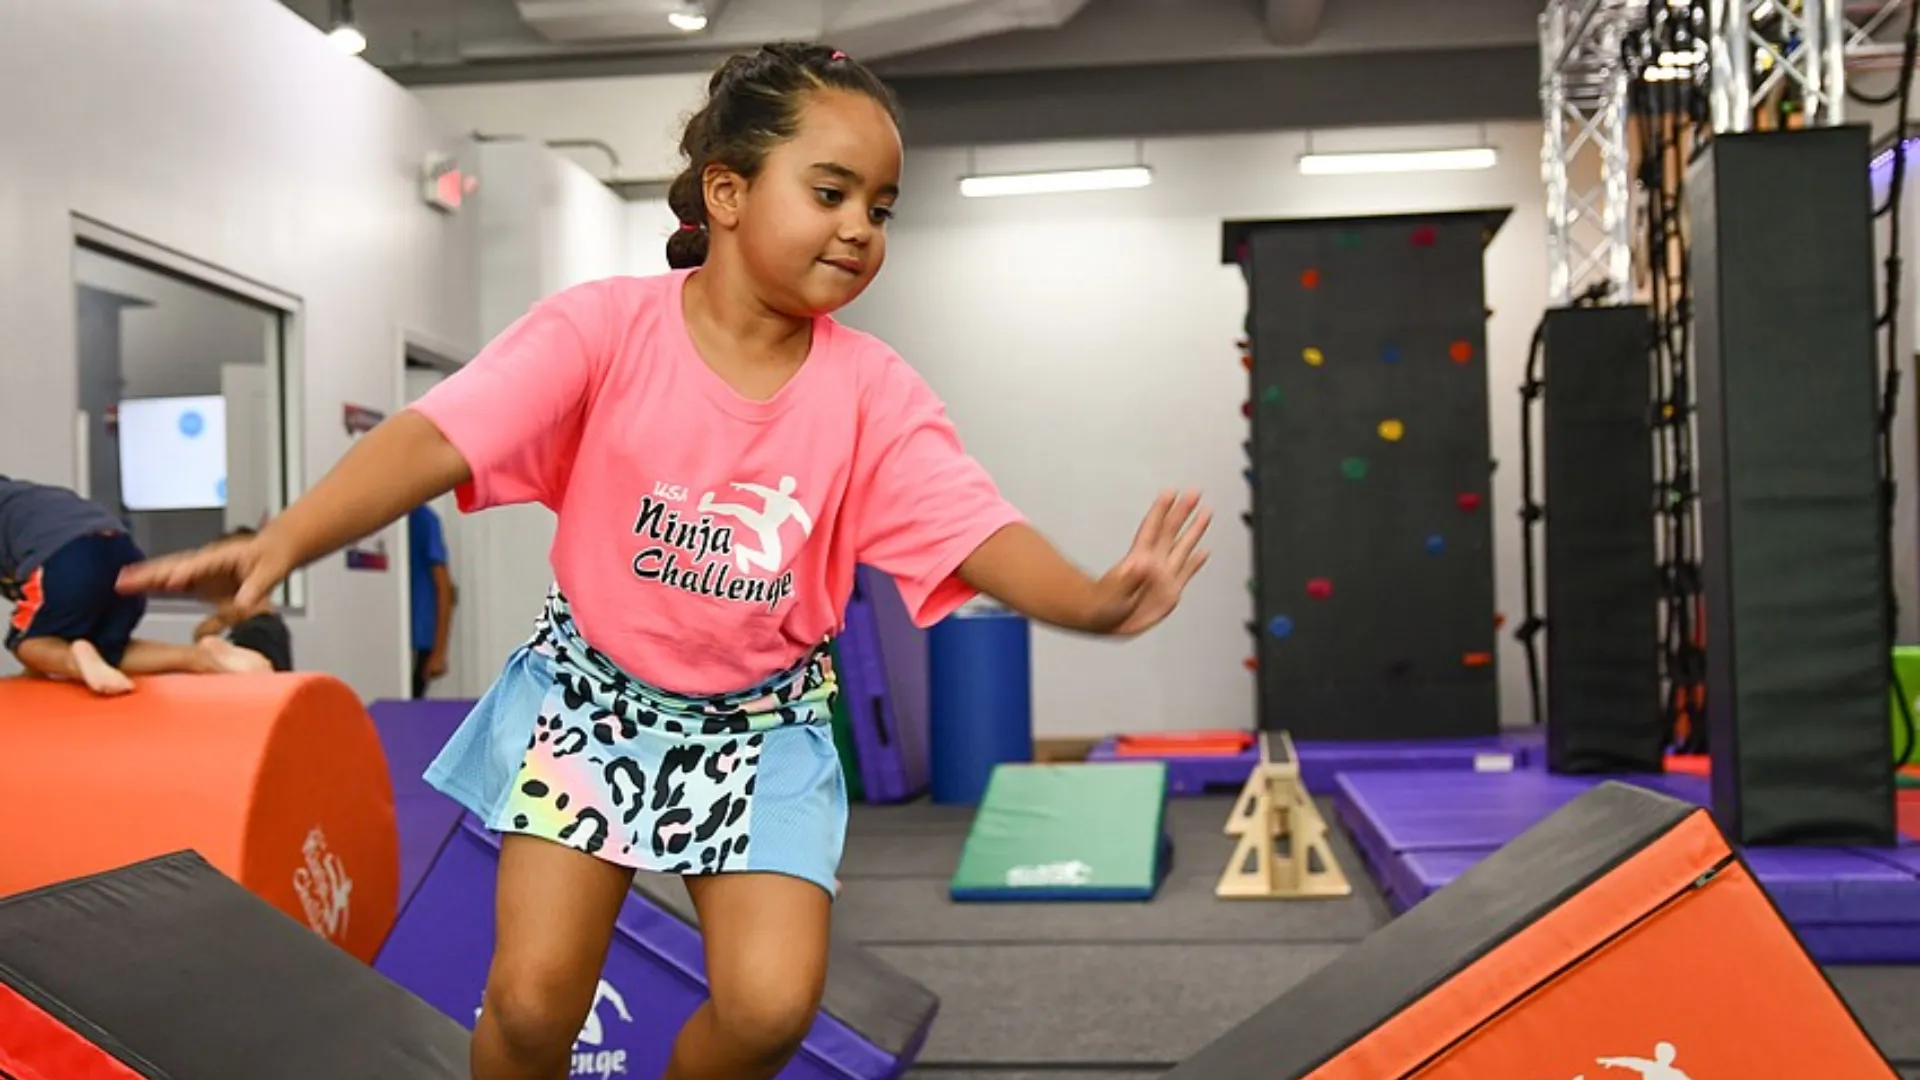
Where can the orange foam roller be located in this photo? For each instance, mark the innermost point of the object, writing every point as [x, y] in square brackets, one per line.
[278, 780]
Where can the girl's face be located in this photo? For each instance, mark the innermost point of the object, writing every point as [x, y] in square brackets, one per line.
[812, 225]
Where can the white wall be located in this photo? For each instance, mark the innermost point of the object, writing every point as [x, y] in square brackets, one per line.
[1085, 346]
[231, 132]
[547, 225]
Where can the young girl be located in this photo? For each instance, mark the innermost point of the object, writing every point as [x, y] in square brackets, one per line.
[720, 453]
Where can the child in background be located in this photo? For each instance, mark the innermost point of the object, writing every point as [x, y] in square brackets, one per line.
[720, 453]
[59, 557]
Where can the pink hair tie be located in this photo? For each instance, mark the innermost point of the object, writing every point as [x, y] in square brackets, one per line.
[838, 55]
[688, 226]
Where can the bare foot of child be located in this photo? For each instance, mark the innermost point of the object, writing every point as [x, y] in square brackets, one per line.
[226, 656]
[100, 676]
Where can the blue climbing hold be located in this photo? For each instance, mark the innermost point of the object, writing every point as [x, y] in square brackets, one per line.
[1436, 544]
[1391, 354]
[1280, 626]
[192, 424]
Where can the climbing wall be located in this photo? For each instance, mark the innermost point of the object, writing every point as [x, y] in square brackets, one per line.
[1372, 594]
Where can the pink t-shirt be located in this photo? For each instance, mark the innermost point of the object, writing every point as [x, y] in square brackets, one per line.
[707, 541]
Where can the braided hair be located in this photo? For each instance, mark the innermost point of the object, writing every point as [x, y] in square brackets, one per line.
[753, 104]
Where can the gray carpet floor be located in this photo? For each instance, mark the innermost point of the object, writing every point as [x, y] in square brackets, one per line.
[1112, 991]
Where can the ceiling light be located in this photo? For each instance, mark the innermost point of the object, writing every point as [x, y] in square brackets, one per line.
[1048, 183]
[348, 39]
[688, 21]
[1397, 161]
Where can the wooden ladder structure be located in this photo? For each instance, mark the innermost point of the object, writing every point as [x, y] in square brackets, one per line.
[1275, 807]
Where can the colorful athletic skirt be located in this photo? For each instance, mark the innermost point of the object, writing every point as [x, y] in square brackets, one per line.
[569, 747]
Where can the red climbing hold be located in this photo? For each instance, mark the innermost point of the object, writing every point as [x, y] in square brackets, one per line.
[1461, 351]
[1499, 620]
[1424, 236]
[1319, 588]
[1310, 279]
[1246, 409]
[1250, 664]
[1246, 360]
[1469, 501]
[1477, 659]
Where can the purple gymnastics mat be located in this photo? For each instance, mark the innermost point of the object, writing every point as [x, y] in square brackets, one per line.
[1322, 760]
[412, 733]
[883, 661]
[873, 1020]
[1418, 831]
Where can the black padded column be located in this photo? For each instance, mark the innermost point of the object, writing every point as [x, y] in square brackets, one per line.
[1602, 581]
[1793, 552]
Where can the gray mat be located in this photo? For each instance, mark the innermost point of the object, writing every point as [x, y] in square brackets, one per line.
[1096, 1005]
[917, 911]
[1887, 1001]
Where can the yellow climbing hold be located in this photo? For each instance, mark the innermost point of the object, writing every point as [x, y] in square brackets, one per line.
[1312, 356]
[1391, 430]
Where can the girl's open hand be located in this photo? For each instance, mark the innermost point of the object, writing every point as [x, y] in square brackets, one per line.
[237, 575]
[1145, 586]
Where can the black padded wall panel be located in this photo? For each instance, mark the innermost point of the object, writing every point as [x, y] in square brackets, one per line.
[1602, 578]
[1794, 560]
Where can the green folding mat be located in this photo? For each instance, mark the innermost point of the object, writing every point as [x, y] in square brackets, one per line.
[1906, 661]
[1068, 832]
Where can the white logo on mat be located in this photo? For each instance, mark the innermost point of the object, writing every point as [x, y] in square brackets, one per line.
[1060, 873]
[323, 886]
[1659, 1067]
[778, 507]
[600, 1062]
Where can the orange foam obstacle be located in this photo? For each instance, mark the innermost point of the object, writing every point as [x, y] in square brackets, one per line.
[167, 970]
[278, 780]
[1621, 933]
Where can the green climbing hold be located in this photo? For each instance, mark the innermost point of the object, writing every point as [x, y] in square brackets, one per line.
[1354, 468]
[1347, 239]
[1270, 395]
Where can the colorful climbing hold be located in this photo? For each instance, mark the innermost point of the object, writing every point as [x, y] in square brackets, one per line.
[1461, 351]
[1436, 543]
[1499, 620]
[1246, 360]
[1468, 500]
[1313, 356]
[1477, 659]
[1310, 278]
[1250, 663]
[1392, 430]
[1270, 395]
[1348, 239]
[1319, 588]
[1354, 468]
[1246, 409]
[1425, 235]
[1390, 354]
[1280, 626]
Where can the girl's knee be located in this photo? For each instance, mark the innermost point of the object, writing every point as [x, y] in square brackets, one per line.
[766, 1021]
[537, 1014]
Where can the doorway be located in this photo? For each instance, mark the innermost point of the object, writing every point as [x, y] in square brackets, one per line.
[432, 534]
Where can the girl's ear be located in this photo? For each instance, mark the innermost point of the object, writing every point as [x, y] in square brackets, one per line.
[723, 189]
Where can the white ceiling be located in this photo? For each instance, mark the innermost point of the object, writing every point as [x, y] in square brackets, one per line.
[444, 41]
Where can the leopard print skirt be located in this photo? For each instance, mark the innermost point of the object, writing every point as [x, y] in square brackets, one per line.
[569, 747]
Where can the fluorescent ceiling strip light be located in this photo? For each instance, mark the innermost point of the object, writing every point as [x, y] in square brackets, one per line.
[1395, 161]
[1048, 183]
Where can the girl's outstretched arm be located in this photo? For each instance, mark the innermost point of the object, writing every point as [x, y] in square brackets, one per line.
[400, 464]
[1022, 569]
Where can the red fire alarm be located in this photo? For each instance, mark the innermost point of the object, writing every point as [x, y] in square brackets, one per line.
[444, 186]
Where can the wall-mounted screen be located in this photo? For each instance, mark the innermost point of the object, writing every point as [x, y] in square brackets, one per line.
[173, 453]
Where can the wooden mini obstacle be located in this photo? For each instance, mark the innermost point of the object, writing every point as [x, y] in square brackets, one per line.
[1283, 852]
